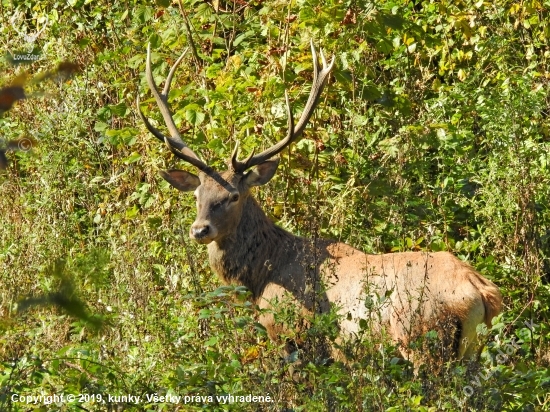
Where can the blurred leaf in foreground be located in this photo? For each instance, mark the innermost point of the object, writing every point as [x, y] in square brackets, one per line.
[9, 95]
[65, 298]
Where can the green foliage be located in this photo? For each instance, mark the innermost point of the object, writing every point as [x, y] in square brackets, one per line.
[432, 135]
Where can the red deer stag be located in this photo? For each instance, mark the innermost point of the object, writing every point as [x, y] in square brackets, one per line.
[246, 248]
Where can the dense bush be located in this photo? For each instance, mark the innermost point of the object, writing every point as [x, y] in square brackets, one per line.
[433, 134]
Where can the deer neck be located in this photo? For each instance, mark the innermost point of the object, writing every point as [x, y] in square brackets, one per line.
[254, 254]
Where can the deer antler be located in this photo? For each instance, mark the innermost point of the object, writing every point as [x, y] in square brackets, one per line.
[174, 142]
[319, 82]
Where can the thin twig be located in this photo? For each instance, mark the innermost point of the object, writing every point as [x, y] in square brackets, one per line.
[198, 60]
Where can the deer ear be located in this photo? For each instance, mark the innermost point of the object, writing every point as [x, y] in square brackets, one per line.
[181, 180]
[262, 173]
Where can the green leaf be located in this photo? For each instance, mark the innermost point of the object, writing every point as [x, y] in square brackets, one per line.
[343, 76]
[132, 212]
[216, 145]
[100, 126]
[370, 92]
[82, 43]
[119, 109]
[242, 37]
[124, 15]
[212, 341]
[307, 14]
[204, 10]
[155, 40]
[194, 117]
[385, 46]
[393, 21]
[143, 14]
[134, 157]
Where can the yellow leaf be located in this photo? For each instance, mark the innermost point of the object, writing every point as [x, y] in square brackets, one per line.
[251, 354]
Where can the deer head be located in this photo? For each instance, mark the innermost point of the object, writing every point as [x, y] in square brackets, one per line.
[221, 196]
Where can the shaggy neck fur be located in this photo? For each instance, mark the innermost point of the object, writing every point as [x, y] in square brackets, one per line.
[254, 253]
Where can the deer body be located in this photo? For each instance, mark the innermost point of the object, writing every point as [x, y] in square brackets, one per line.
[405, 294]
[275, 265]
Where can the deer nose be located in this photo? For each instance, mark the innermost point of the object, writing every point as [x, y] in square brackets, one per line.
[200, 231]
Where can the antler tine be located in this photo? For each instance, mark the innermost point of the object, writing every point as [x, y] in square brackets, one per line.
[236, 164]
[319, 82]
[154, 131]
[168, 82]
[187, 155]
[174, 142]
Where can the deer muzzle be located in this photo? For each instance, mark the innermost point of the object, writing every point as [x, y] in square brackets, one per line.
[202, 233]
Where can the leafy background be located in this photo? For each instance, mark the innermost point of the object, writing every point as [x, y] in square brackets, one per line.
[432, 135]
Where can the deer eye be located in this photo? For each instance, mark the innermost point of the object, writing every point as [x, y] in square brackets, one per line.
[234, 197]
[216, 206]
